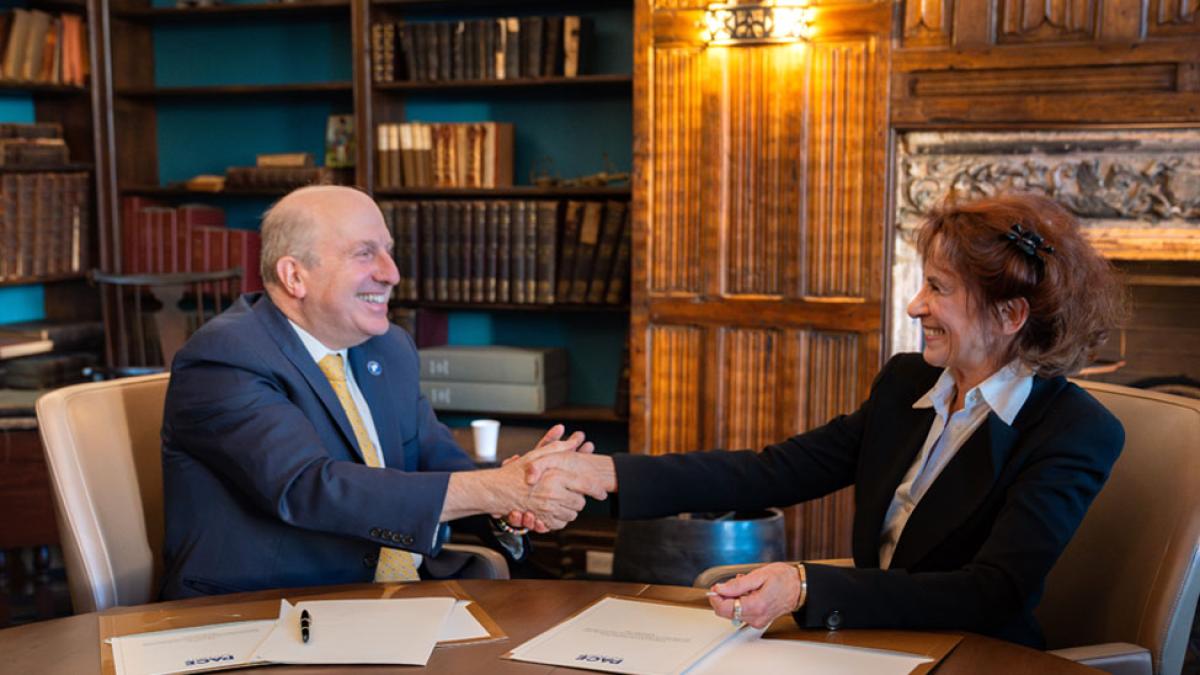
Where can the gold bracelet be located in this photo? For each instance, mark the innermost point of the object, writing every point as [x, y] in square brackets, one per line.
[803, 587]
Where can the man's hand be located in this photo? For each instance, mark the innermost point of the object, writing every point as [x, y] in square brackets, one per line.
[764, 594]
[550, 503]
[528, 520]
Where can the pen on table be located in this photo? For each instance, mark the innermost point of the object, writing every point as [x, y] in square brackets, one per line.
[305, 625]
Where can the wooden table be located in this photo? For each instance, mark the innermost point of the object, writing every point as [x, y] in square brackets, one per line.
[521, 608]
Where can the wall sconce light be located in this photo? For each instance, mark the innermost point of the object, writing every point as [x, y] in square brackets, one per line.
[733, 24]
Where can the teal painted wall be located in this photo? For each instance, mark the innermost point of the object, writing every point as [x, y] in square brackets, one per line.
[19, 303]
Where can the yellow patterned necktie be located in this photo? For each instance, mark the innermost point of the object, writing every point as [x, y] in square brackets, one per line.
[394, 564]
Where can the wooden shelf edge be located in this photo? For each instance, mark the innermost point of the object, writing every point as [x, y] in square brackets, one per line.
[440, 5]
[265, 9]
[166, 192]
[65, 168]
[524, 191]
[17, 86]
[568, 413]
[519, 83]
[44, 279]
[237, 90]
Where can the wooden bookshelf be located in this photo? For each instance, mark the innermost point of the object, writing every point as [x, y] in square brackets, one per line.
[567, 413]
[290, 89]
[515, 192]
[446, 86]
[245, 11]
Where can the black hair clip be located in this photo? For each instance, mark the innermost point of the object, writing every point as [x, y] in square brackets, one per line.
[1028, 241]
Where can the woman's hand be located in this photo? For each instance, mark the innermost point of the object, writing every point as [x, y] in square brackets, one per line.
[764, 594]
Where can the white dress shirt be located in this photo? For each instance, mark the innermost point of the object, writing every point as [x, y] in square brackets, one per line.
[1003, 393]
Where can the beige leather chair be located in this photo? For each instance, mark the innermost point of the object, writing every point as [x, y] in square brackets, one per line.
[1123, 595]
[104, 451]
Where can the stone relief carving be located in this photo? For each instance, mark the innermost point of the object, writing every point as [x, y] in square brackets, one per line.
[1139, 178]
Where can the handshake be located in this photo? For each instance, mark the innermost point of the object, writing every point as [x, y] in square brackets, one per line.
[541, 490]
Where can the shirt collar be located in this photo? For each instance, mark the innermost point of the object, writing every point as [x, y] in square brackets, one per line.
[1004, 392]
[315, 348]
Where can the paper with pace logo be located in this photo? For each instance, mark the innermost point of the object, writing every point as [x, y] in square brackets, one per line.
[190, 650]
[625, 635]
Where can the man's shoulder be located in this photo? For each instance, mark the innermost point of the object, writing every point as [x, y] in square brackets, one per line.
[230, 333]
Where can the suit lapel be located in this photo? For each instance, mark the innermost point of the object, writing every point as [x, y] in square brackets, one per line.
[958, 491]
[909, 430]
[293, 349]
[373, 383]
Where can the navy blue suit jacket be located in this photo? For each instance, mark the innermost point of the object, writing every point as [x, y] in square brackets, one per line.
[264, 484]
[977, 548]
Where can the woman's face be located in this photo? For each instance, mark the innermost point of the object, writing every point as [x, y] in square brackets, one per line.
[957, 335]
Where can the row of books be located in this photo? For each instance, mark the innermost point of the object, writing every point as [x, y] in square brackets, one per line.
[450, 155]
[159, 239]
[511, 251]
[505, 48]
[41, 47]
[44, 224]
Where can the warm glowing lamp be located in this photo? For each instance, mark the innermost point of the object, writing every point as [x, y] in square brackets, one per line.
[731, 24]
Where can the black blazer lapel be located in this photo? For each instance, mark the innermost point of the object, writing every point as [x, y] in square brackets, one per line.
[290, 345]
[960, 489]
[874, 494]
[372, 378]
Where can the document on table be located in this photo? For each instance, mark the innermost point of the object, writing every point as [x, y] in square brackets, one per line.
[187, 650]
[358, 631]
[746, 653]
[626, 635]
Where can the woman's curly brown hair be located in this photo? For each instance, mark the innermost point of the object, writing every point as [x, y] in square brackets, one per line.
[1075, 297]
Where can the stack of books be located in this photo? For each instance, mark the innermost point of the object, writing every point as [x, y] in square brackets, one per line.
[511, 251]
[494, 379]
[46, 354]
[504, 48]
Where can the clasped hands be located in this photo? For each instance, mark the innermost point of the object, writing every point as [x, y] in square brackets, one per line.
[550, 481]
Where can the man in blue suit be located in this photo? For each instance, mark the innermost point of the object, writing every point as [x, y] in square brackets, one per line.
[297, 448]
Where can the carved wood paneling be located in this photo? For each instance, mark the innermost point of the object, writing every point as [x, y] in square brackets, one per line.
[1029, 81]
[835, 249]
[674, 416]
[926, 22]
[758, 105]
[759, 213]
[1174, 17]
[821, 529]
[674, 250]
[1046, 20]
[750, 370]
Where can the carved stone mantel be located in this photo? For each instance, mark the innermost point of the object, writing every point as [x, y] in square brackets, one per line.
[1137, 192]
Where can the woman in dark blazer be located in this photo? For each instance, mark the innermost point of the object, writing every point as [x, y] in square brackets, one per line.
[973, 463]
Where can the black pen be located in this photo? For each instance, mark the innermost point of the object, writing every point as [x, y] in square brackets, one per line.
[305, 625]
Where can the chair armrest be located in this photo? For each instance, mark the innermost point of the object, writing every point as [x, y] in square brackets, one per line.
[719, 573]
[493, 563]
[1116, 658]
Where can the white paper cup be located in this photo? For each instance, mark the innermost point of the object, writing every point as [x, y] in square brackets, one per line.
[487, 432]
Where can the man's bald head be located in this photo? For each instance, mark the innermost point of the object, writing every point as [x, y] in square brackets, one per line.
[290, 227]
